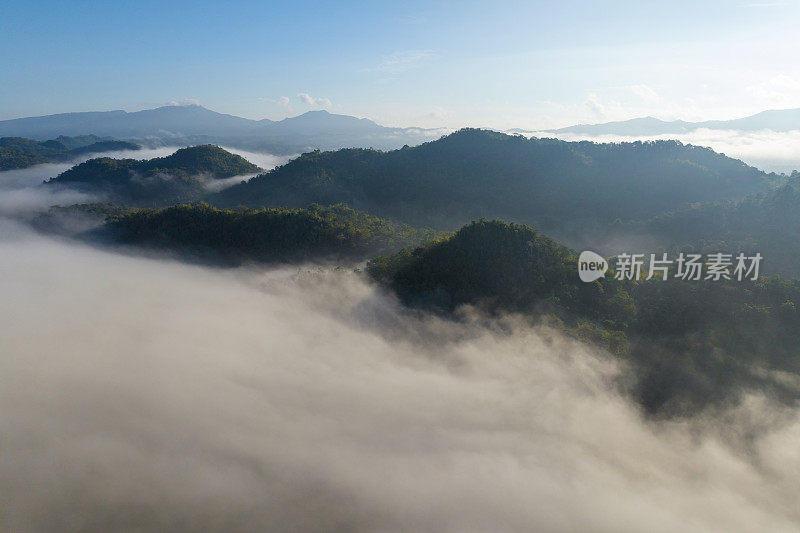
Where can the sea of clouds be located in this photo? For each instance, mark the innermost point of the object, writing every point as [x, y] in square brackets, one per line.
[145, 394]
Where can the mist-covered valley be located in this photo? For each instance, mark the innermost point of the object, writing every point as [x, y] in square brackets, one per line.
[147, 394]
[23, 193]
[148, 387]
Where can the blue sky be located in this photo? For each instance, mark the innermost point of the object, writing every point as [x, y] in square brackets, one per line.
[509, 64]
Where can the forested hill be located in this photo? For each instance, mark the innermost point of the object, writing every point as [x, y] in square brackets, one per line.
[208, 159]
[272, 235]
[768, 223]
[180, 177]
[18, 152]
[476, 173]
[689, 344]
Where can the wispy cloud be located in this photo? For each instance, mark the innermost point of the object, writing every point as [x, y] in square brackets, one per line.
[778, 91]
[283, 101]
[184, 102]
[594, 105]
[648, 95]
[404, 60]
[313, 101]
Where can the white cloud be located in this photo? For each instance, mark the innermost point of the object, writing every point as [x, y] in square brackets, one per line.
[438, 113]
[184, 102]
[282, 101]
[262, 160]
[594, 105]
[312, 101]
[778, 91]
[648, 95]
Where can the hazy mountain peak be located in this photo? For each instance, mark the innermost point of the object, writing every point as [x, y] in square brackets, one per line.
[193, 123]
[772, 119]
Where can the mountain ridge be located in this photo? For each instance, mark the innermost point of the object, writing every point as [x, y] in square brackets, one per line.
[321, 129]
[480, 173]
[771, 119]
[194, 124]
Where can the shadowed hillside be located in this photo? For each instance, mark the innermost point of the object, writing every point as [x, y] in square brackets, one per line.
[555, 185]
[767, 223]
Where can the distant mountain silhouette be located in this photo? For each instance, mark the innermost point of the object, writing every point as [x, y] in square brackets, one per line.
[312, 122]
[775, 120]
[163, 121]
[193, 124]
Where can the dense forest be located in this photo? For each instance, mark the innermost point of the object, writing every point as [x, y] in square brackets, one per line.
[651, 195]
[18, 152]
[554, 185]
[692, 344]
[501, 267]
[767, 222]
[271, 235]
[180, 177]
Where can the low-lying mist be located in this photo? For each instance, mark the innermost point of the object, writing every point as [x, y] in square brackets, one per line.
[263, 160]
[22, 193]
[21, 190]
[768, 150]
[266, 161]
[140, 394]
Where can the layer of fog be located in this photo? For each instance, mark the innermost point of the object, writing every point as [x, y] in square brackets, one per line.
[22, 192]
[263, 160]
[148, 395]
[768, 150]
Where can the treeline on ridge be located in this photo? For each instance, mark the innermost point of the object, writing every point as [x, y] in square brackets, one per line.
[18, 152]
[554, 185]
[314, 233]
